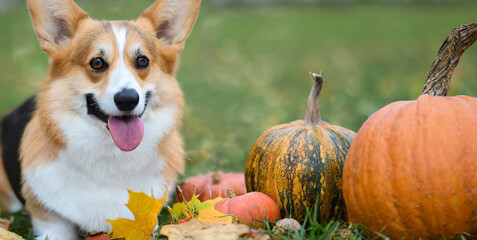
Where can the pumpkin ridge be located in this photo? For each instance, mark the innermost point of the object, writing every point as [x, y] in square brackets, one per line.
[261, 152]
[427, 170]
[332, 168]
[362, 196]
[457, 104]
[335, 149]
[453, 104]
[275, 162]
[316, 153]
[403, 214]
[375, 136]
[419, 124]
[437, 204]
[342, 132]
[469, 186]
[342, 138]
[457, 180]
[294, 156]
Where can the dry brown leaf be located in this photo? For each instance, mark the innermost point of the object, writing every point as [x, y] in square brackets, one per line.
[197, 230]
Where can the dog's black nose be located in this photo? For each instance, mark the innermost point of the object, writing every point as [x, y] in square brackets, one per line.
[127, 99]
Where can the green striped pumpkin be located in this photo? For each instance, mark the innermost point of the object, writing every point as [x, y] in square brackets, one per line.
[300, 164]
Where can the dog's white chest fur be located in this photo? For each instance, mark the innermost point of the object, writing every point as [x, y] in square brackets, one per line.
[88, 182]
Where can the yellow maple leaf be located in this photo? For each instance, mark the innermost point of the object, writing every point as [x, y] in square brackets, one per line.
[145, 210]
[210, 215]
[191, 208]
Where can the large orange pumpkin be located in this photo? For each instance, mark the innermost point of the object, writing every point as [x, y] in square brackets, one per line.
[300, 164]
[411, 170]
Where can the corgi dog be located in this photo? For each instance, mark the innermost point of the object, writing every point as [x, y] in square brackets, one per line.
[106, 119]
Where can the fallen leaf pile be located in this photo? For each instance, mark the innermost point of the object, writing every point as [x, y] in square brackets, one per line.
[145, 210]
[198, 230]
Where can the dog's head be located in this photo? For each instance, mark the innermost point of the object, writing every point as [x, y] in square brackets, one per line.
[113, 71]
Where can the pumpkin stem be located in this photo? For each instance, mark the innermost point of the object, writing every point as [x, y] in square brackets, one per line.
[230, 193]
[456, 43]
[313, 116]
[216, 178]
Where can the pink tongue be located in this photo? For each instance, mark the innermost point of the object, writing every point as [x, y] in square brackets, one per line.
[127, 134]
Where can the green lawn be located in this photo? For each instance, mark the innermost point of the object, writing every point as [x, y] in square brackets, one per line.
[245, 68]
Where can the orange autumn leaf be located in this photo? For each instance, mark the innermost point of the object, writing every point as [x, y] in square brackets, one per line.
[145, 210]
[210, 215]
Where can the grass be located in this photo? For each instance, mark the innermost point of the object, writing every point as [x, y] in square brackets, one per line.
[312, 229]
[245, 68]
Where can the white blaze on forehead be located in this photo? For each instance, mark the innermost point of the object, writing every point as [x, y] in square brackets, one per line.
[121, 75]
[120, 32]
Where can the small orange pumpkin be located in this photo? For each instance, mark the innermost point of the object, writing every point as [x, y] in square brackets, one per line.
[251, 208]
[411, 170]
[212, 185]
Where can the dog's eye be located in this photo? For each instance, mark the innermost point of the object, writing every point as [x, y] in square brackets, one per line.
[98, 64]
[142, 62]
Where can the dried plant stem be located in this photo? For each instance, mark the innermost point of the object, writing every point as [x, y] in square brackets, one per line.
[313, 116]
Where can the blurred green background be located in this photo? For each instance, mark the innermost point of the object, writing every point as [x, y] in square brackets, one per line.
[245, 67]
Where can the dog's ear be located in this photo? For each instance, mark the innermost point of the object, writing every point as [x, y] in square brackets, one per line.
[55, 21]
[172, 19]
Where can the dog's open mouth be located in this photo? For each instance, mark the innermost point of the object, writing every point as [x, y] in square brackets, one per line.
[127, 131]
